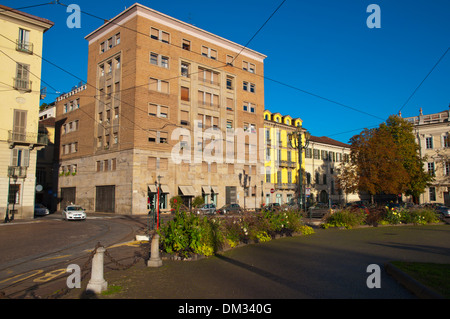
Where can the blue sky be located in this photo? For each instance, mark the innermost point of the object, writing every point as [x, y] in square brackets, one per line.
[357, 76]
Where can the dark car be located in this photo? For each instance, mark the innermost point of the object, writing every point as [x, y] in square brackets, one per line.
[443, 211]
[230, 209]
[273, 207]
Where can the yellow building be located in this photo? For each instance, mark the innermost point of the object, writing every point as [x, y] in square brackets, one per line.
[281, 158]
[20, 70]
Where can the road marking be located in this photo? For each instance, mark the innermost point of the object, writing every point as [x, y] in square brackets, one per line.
[51, 275]
[33, 273]
[51, 258]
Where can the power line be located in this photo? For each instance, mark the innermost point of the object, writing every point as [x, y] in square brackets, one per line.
[232, 65]
[417, 88]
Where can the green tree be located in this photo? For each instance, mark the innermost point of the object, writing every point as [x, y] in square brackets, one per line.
[402, 133]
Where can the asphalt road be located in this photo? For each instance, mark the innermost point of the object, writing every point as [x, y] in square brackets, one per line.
[330, 264]
[37, 251]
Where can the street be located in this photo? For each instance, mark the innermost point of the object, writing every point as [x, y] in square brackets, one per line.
[330, 264]
[36, 252]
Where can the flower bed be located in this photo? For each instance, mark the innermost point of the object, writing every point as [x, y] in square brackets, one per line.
[349, 218]
[189, 234]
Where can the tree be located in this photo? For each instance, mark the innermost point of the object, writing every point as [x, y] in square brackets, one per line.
[402, 132]
[385, 160]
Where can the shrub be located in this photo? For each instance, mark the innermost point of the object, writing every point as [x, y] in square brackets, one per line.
[345, 218]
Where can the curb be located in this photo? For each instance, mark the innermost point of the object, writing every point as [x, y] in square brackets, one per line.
[417, 288]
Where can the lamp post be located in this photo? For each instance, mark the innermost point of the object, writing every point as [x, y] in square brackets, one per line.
[244, 180]
[158, 189]
[295, 139]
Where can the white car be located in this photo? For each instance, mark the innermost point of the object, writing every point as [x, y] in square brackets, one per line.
[74, 212]
[40, 210]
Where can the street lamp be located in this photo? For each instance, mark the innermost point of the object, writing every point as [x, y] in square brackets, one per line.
[244, 180]
[158, 190]
[295, 138]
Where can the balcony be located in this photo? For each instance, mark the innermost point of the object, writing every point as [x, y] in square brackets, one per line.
[22, 84]
[24, 46]
[17, 171]
[33, 139]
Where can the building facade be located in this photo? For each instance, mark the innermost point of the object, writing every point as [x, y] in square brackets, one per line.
[281, 158]
[323, 159]
[20, 70]
[165, 103]
[433, 136]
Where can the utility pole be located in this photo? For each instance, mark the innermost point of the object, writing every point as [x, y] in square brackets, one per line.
[296, 140]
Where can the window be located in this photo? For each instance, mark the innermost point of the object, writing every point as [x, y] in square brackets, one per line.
[163, 136]
[154, 58]
[209, 53]
[186, 45]
[184, 118]
[247, 66]
[157, 34]
[152, 136]
[447, 168]
[230, 60]
[249, 107]
[184, 93]
[21, 82]
[117, 38]
[20, 157]
[230, 104]
[159, 60]
[23, 43]
[208, 76]
[432, 193]
[249, 87]
[230, 81]
[185, 69]
[429, 142]
[431, 168]
[159, 85]
[445, 141]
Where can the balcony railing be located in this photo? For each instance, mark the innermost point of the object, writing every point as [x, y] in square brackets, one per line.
[17, 171]
[22, 84]
[24, 46]
[27, 138]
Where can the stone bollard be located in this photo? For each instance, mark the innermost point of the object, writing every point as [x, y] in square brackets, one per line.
[155, 260]
[97, 284]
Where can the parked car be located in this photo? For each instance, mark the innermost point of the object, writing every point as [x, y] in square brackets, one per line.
[273, 207]
[40, 210]
[229, 209]
[443, 211]
[206, 209]
[74, 212]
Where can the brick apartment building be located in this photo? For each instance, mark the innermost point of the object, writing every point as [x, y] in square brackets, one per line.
[152, 77]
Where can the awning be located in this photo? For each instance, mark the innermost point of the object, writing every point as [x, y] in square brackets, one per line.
[206, 189]
[152, 188]
[215, 189]
[187, 190]
[165, 189]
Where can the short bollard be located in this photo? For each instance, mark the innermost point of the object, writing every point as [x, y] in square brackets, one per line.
[155, 260]
[97, 283]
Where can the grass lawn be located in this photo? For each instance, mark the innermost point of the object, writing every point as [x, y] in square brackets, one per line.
[435, 276]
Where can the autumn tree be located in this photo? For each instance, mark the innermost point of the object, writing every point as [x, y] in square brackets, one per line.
[385, 160]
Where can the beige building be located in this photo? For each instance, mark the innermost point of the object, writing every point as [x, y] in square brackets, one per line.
[160, 96]
[323, 159]
[433, 136]
[20, 70]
